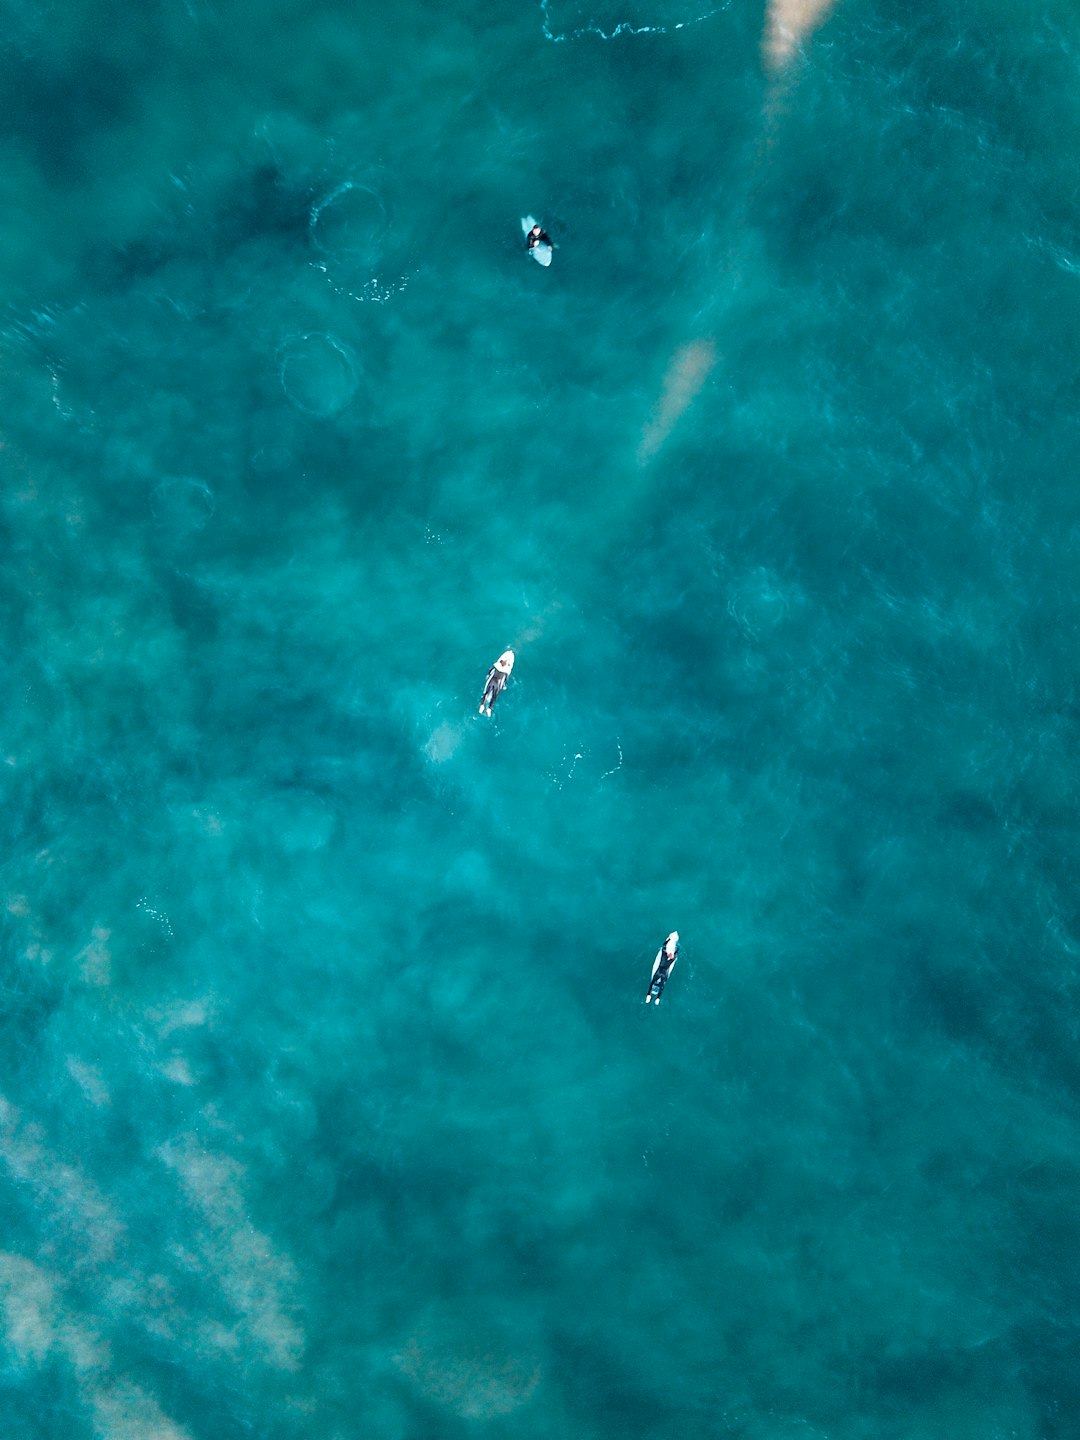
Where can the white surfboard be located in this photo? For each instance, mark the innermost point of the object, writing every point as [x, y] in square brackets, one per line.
[540, 253]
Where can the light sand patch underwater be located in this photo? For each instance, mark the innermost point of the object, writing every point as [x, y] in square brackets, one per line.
[179, 1018]
[180, 1015]
[255, 1279]
[40, 1325]
[478, 1378]
[95, 959]
[443, 742]
[788, 23]
[30, 1308]
[89, 1080]
[80, 1210]
[125, 1412]
[686, 373]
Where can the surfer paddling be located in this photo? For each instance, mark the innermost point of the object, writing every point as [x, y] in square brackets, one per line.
[663, 966]
[496, 680]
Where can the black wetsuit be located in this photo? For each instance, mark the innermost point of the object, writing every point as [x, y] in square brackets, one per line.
[493, 686]
[663, 970]
[541, 239]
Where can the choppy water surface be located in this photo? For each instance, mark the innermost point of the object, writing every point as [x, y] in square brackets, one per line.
[328, 1105]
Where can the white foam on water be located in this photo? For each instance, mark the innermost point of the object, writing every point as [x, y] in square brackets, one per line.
[625, 27]
[376, 291]
[564, 771]
[162, 919]
[350, 226]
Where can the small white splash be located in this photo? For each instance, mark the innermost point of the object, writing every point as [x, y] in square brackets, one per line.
[616, 768]
[1061, 257]
[375, 290]
[144, 905]
[558, 779]
[63, 410]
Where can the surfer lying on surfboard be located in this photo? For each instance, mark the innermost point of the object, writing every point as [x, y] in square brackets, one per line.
[663, 966]
[497, 677]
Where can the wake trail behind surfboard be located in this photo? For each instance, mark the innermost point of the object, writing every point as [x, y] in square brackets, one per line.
[626, 27]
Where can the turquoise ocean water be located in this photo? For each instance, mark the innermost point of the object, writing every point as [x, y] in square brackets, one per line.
[329, 1107]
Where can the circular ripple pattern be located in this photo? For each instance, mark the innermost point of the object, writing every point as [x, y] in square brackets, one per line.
[318, 374]
[350, 223]
[181, 505]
